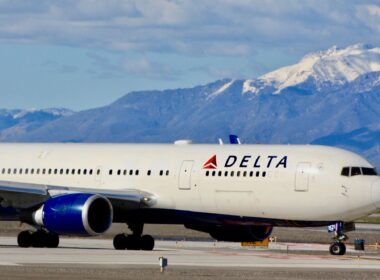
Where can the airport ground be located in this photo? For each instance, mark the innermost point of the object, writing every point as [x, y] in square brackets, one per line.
[192, 255]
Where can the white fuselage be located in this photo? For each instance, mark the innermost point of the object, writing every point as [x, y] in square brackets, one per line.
[284, 182]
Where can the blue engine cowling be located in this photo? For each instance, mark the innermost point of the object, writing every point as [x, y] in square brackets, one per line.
[80, 214]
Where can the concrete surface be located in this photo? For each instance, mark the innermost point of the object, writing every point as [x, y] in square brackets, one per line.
[96, 259]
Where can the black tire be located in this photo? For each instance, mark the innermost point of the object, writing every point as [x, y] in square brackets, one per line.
[120, 242]
[52, 240]
[133, 242]
[147, 243]
[24, 239]
[39, 239]
[337, 249]
[343, 249]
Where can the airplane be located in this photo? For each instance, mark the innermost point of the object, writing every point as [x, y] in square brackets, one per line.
[235, 193]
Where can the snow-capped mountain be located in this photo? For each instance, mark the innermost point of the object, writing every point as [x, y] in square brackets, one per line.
[331, 97]
[331, 68]
[18, 122]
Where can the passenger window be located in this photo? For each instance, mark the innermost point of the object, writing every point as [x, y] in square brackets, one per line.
[131, 172]
[257, 173]
[137, 172]
[345, 171]
[38, 171]
[264, 173]
[250, 173]
[67, 171]
[55, 171]
[85, 172]
[98, 172]
[43, 171]
[245, 174]
[213, 173]
[225, 173]
[219, 173]
[26, 171]
[61, 171]
[72, 171]
[79, 171]
[110, 172]
[119, 172]
[167, 173]
[90, 172]
[125, 172]
[355, 171]
[232, 174]
[150, 172]
[238, 173]
[20, 171]
[207, 173]
[15, 171]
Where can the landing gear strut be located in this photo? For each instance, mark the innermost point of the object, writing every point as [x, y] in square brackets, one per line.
[135, 241]
[37, 239]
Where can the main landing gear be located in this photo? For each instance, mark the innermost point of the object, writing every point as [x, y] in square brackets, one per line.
[37, 239]
[135, 241]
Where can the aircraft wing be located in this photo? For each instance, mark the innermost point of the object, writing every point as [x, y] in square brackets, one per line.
[27, 195]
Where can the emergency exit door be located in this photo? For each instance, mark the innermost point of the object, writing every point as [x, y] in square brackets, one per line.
[184, 182]
[302, 177]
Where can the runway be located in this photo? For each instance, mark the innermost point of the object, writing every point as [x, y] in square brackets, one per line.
[188, 254]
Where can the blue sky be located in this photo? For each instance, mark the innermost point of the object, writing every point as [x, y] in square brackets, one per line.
[84, 53]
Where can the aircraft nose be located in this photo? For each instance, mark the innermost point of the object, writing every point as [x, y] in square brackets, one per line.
[376, 193]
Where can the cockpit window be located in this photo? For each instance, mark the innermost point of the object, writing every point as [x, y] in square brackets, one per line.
[345, 171]
[354, 171]
[369, 171]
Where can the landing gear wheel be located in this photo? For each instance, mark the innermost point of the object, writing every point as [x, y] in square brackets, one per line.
[147, 243]
[120, 242]
[52, 240]
[38, 239]
[337, 249]
[133, 242]
[24, 239]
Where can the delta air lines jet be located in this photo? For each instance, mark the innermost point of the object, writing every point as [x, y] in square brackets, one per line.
[233, 192]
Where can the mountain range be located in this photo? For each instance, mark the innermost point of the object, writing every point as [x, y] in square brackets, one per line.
[330, 97]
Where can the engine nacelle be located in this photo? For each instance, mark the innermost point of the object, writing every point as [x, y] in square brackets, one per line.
[236, 233]
[80, 214]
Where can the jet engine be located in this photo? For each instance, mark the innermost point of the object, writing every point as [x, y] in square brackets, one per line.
[80, 214]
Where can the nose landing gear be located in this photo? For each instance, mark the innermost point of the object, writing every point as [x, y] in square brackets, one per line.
[338, 247]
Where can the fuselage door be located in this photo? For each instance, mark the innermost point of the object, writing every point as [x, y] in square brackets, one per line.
[184, 182]
[302, 177]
